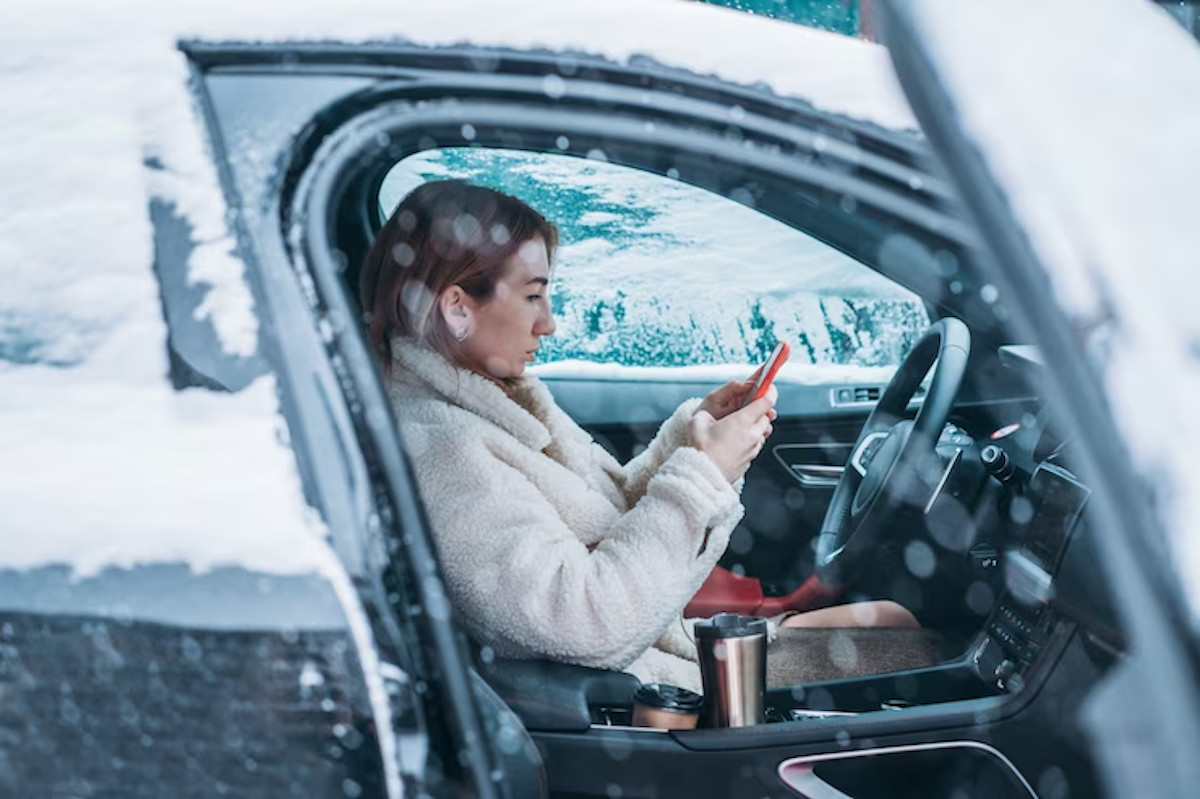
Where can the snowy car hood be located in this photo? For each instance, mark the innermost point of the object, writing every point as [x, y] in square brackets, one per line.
[102, 463]
[1087, 113]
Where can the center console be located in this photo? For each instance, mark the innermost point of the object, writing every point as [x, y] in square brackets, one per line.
[1046, 511]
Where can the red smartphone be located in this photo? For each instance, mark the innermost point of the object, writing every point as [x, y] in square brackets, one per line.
[769, 370]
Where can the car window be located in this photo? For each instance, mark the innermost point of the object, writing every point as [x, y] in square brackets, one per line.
[654, 275]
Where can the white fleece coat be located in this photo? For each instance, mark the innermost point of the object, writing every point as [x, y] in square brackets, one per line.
[550, 547]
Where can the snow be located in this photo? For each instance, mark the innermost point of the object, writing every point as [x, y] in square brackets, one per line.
[1089, 118]
[98, 473]
[798, 374]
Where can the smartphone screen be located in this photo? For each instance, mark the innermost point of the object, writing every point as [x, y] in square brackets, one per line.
[769, 370]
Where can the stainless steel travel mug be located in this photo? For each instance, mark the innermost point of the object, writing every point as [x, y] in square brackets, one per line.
[733, 668]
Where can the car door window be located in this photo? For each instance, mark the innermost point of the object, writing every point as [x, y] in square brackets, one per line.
[654, 275]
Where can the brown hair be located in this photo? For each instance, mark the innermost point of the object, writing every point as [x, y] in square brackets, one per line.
[444, 233]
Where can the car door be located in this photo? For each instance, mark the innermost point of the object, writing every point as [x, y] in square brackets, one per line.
[1084, 97]
[336, 121]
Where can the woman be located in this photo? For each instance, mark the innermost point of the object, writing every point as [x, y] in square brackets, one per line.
[550, 547]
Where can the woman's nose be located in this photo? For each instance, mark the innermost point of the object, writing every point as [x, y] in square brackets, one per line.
[545, 324]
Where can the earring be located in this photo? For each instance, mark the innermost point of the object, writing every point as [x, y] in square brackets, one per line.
[461, 334]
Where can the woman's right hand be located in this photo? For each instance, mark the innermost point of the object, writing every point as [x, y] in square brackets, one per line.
[734, 441]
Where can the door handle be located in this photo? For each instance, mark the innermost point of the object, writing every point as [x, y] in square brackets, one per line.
[817, 475]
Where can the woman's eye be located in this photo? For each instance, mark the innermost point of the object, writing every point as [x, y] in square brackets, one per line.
[534, 297]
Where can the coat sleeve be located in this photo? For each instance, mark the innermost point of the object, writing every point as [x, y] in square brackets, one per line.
[635, 475]
[524, 584]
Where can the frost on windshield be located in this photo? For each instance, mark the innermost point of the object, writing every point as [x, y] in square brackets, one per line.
[652, 272]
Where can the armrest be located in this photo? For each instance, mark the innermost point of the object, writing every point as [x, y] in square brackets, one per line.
[557, 696]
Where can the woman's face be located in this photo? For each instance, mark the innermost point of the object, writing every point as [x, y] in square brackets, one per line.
[506, 329]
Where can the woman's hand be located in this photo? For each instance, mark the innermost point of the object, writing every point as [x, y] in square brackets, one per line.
[734, 441]
[728, 398]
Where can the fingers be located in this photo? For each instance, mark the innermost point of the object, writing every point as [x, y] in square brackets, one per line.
[763, 406]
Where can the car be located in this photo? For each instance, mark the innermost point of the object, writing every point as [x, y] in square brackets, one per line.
[218, 576]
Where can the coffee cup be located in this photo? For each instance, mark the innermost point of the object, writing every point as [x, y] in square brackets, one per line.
[667, 707]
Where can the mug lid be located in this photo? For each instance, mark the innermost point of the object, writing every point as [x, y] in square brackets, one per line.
[731, 625]
[668, 697]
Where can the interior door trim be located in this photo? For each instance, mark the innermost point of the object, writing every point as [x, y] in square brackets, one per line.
[812, 474]
[798, 773]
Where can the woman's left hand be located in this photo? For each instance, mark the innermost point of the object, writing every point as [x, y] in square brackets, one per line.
[728, 398]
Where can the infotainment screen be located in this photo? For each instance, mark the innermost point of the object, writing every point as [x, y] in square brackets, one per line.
[1058, 501]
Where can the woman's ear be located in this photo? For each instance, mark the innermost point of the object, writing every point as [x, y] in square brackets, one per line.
[455, 307]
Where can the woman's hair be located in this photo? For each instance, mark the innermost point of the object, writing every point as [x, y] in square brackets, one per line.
[442, 234]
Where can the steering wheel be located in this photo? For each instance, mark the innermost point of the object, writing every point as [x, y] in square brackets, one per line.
[893, 464]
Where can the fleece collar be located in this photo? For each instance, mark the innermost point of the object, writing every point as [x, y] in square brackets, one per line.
[521, 415]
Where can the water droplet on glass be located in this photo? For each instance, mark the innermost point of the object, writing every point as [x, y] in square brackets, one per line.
[310, 676]
[554, 86]
[673, 173]
[1020, 510]
[596, 154]
[843, 652]
[416, 298]
[468, 131]
[191, 649]
[500, 235]
[351, 788]
[562, 142]
[989, 293]
[979, 597]
[920, 559]
[742, 195]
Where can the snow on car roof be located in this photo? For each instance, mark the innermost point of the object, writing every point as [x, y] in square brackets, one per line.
[102, 463]
[1087, 112]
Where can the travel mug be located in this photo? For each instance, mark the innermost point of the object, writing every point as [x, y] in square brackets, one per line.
[733, 668]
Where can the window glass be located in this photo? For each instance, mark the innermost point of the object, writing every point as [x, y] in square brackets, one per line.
[655, 274]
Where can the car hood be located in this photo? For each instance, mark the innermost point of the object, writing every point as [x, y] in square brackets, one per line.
[1085, 114]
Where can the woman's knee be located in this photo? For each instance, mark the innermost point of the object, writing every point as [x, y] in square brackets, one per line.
[893, 614]
[876, 613]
